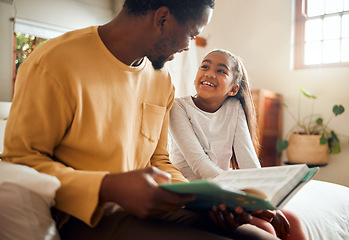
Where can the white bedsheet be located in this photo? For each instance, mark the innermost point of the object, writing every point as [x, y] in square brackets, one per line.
[323, 209]
[25, 200]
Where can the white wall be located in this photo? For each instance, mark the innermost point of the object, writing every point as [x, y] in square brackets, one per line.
[6, 12]
[261, 33]
[70, 14]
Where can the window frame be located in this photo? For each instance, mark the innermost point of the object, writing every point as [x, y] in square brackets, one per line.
[299, 40]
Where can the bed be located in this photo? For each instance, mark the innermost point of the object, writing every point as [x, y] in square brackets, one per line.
[322, 207]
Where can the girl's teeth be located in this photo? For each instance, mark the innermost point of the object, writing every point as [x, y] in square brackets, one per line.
[208, 84]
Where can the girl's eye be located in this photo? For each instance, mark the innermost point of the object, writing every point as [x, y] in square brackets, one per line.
[222, 71]
[204, 67]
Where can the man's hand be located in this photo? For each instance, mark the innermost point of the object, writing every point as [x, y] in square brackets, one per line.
[138, 192]
[228, 219]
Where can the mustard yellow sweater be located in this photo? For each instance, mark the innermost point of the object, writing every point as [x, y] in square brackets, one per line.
[79, 113]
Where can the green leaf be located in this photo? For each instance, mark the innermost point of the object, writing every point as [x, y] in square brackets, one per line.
[338, 109]
[307, 93]
[281, 145]
[334, 135]
[323, 140]
[335, 148]
[319, 121]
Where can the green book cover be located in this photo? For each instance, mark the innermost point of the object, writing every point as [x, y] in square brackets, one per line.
[210, 194]
[272, 183]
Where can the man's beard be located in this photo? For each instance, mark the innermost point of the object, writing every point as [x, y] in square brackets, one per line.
[159, 62]
[160, 47]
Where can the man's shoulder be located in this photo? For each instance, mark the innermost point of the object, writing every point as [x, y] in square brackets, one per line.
[78, 33]
[58, 47]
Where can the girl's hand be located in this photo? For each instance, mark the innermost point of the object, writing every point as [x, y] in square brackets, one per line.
[228, 219]
[280, 224]
[266, 215]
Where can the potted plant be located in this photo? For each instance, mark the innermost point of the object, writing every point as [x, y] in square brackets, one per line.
[310, 140]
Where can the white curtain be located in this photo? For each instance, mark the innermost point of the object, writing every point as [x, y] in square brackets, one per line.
[183, 71]
[38, 29]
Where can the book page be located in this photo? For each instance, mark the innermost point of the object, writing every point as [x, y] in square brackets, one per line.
[274, 182]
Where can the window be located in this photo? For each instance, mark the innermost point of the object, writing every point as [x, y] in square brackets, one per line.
[29, 35]
[321, 33]
[25, 44]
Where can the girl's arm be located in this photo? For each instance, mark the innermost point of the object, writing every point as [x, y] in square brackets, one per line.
[185, 138]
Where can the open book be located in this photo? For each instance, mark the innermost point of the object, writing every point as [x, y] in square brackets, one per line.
[253, 189]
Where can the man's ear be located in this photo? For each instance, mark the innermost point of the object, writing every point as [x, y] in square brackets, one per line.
[234, 90]
[161, 17]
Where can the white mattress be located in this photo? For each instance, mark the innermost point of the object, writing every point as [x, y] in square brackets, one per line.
[323, 209]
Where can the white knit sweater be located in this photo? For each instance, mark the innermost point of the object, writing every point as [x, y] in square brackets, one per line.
[201, 142]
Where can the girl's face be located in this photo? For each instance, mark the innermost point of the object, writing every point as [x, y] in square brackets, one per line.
[214, 79]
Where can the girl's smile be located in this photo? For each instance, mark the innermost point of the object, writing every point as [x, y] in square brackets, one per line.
[207, 83]
[214, 81]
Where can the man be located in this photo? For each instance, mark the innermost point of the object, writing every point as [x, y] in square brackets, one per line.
[91, 108]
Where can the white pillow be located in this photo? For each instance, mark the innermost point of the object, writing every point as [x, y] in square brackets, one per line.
[4, 109]
[26, 197]
[2, 132]
[4, 112]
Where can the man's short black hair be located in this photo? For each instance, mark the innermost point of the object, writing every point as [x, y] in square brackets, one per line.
[183, 10]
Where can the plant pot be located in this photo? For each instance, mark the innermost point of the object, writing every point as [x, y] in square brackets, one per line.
[306, 149]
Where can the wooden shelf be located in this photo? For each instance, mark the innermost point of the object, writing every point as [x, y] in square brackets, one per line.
[269, 118]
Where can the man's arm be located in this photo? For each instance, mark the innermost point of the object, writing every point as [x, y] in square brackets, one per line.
[40, 116]
[138, 192]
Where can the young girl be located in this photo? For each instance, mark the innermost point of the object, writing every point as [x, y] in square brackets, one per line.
[217, 129]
